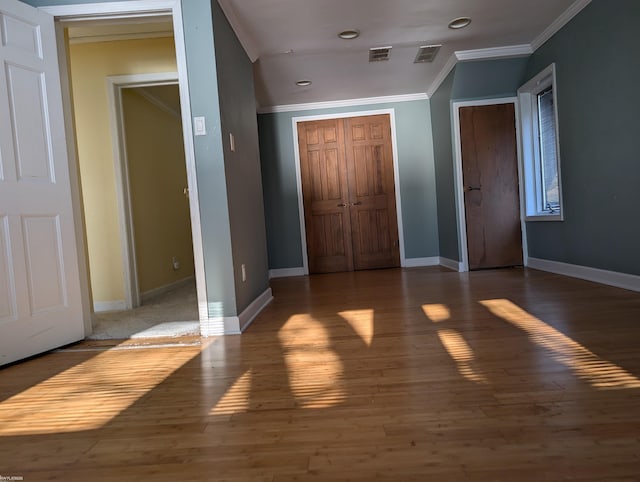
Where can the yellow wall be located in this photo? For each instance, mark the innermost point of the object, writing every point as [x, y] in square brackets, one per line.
[157, 178]
[91, 63]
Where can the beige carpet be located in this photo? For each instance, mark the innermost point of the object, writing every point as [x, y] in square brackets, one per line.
[172, 314]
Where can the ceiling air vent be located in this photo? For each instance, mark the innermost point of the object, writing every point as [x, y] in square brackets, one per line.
[427, 53]
[379, 53]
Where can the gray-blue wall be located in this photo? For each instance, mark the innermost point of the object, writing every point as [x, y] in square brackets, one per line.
[212, 189]
[443, 158]
[415, 166]
[242, 167]
[597, 69]
[488, 79]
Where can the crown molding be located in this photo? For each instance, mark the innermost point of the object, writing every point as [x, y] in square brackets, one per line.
[440, 78]
[247, 40]
[495, 52]
[343, 103]
[560, 22]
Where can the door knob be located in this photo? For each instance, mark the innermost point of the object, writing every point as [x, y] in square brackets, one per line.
[472, 188]
[357, 203]
[342, 205]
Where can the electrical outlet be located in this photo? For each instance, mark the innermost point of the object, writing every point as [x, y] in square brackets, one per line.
[175, 263]
[244, 273]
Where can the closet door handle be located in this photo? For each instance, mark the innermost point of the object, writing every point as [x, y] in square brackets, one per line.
[357, 203]
[342, 205]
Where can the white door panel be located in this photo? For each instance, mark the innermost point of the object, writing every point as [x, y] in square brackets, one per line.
[40, 300]
[43, 250]
[32, 146]
[8, 306]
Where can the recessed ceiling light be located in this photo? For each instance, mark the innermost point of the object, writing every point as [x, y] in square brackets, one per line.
[460, 22]
[303, 83]
[349, 34]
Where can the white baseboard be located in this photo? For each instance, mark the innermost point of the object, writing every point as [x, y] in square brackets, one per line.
[102, 306]
[419, 262]
[254, 309]
[234, 325]
[285, 272]
[611, 278]
[220, 326]
[160, 290]
[451, 264]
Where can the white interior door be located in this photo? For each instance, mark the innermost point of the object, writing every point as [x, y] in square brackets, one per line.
[40, 297]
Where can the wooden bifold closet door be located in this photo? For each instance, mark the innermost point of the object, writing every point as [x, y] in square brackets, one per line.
[349, 194]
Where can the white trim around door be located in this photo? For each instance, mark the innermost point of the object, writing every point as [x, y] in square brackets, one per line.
[396, 174]
[459, 182]
[66, 15]
[115, 84]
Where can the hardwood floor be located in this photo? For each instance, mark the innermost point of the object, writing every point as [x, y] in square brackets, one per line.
[399, 375]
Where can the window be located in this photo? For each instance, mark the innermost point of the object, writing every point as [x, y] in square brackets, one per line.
[540, 153]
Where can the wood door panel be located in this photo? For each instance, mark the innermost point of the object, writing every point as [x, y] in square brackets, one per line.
[492, 201]
[326, 183]
[330, 133]
[373, 242]
[370, 171]
[325, 195]
[374, 224]
[349, 194]
[331, 175]
[329, 243]
[329, 235]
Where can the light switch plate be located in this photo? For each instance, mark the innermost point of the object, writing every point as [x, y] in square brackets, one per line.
[199, 126]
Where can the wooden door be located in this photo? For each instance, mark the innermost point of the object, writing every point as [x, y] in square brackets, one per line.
[325, 195]
[491, 196]
[40, 297]
[349, 194]
[372, 200]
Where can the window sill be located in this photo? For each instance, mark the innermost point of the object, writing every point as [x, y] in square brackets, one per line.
[544, 217]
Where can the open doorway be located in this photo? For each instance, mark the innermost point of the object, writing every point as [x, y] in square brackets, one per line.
[133, 176]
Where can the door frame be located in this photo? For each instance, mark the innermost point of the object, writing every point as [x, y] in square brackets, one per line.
[115, 86]
[64, 15]
[459, 181]
[396, 175]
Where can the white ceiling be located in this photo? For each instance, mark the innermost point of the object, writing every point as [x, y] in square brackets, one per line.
[339, 69]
